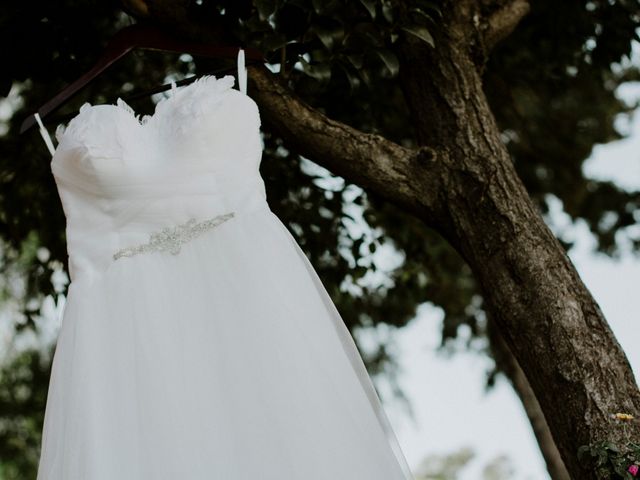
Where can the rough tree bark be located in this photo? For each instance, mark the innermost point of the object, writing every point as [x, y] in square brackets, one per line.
[461, 182]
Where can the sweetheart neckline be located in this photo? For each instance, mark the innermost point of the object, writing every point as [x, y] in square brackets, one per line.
[144, 119]
[135, 116]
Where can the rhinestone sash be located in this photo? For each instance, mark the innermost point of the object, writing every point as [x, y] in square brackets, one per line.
[171, 239]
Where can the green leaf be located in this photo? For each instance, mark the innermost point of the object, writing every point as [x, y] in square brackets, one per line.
[370, 5]
[273, 41]
[364, 75]
[611, 446]
[422, 14]
[421, 32]
[352, 77]
[430, 6]
[265, 8]
[390, 60]
[387, 12]
[328, 37]
[356, 59]
[325, 37]
[319, 71]
[583, 451]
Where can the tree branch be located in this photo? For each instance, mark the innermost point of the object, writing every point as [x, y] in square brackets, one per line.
[503, 21]
[507, 363]
[368, 160]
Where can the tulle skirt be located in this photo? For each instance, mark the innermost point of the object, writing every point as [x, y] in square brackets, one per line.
[227, 361]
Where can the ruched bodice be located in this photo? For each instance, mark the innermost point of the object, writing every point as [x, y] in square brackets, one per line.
[122, 178]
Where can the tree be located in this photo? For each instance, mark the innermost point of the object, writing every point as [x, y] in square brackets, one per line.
[450, 466]
[458, 118]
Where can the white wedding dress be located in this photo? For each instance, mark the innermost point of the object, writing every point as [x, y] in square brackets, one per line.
[197, 341]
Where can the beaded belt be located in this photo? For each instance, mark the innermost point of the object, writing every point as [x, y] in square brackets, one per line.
[172, 238]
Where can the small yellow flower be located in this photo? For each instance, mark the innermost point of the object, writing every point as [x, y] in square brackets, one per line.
[624, 416]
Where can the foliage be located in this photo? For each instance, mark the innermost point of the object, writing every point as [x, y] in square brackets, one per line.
[452, 465]
[611, 462]
[347, 38]
[23, 393]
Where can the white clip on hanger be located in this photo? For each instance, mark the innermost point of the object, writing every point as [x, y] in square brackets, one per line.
[45, 134]
[242, 72]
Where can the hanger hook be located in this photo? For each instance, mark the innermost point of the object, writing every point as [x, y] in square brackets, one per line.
[242, 72]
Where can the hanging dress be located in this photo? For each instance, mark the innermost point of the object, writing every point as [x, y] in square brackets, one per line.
[197, 341]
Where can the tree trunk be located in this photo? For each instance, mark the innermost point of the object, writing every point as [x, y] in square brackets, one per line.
[508, 365]
[550, 321]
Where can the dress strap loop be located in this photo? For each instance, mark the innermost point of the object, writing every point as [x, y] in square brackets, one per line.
[45, 134]
[242, 72]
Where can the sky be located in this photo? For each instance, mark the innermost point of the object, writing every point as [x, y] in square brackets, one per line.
[451, 407]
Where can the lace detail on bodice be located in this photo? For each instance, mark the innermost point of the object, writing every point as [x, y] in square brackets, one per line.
[76, 127]
[120, 103]
[194, 100]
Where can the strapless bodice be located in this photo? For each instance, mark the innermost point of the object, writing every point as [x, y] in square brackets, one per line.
[123, 180]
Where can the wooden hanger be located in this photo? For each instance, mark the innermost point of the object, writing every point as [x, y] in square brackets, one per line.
[140, 36]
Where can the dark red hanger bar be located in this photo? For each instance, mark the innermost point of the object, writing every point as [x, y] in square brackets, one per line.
[145, 37]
